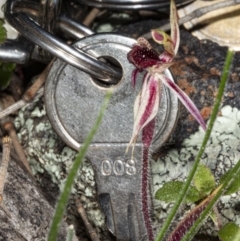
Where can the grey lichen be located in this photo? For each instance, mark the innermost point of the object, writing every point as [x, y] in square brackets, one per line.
[46, 152]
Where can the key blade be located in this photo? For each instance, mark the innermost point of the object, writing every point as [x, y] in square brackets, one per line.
[118, 178]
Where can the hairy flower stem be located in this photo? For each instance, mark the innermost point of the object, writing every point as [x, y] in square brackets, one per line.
[147, 135]
[145, 188]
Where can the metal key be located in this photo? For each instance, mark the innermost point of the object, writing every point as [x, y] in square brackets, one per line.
[73, 100]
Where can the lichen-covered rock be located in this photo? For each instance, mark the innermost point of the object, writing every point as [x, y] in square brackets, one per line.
[49, 156]
[29, 215]
[221, 154]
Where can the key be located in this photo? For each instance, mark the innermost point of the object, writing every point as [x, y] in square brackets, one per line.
[73, 100]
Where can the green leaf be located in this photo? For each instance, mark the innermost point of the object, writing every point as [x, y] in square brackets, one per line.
[3, 32]
[8, 67]
[234, 185]
[170, 192]
[60, 208]
[6, 70]
[229, 232]
[204, 180]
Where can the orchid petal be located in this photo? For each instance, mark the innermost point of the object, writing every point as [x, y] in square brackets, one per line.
[146, 105]
[159, 68]
[175, 34]
[165, 57]
[134, 76]
[184, 99]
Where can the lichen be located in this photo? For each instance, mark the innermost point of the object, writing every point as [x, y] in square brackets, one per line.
[220, 155]
[47, 153]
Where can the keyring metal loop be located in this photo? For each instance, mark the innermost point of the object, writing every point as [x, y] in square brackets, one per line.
[131, 4]
[48, 13]
[65, 24]
[47, 17]
[29, 29]
[16, 51]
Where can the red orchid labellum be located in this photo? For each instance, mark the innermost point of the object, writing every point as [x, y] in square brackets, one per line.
[143, 57]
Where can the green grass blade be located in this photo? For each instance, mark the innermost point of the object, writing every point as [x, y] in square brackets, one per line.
[60, 208]
[184, 190]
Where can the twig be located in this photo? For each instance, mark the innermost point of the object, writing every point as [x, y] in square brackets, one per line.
[92, 233]
[5, 210]
[34, 92]
[197, 13]
[19, 104]
[4, 164]
[31, 92]
[91, 16]
[9, 127]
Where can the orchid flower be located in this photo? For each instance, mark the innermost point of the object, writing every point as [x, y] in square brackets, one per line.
[143, 57]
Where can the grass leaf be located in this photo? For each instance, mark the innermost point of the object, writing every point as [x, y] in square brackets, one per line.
[59, 212]
[182, 193]
[234, 186]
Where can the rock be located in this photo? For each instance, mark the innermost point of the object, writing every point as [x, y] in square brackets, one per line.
[30, 213]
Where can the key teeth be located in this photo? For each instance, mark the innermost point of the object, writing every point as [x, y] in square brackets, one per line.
[131, 217]
[118, 224]
[105, 203]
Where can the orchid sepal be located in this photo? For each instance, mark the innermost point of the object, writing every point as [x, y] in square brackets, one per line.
[170, 43]
[146, 105]
[175, 33]
[186, 101]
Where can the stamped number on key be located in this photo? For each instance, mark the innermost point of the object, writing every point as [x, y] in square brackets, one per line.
[118, 167]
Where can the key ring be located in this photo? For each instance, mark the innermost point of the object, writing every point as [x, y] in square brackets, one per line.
[49, 10]
[131, 4]
[16, 51]
[47, 16]
[29, 29]
[65, 24]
